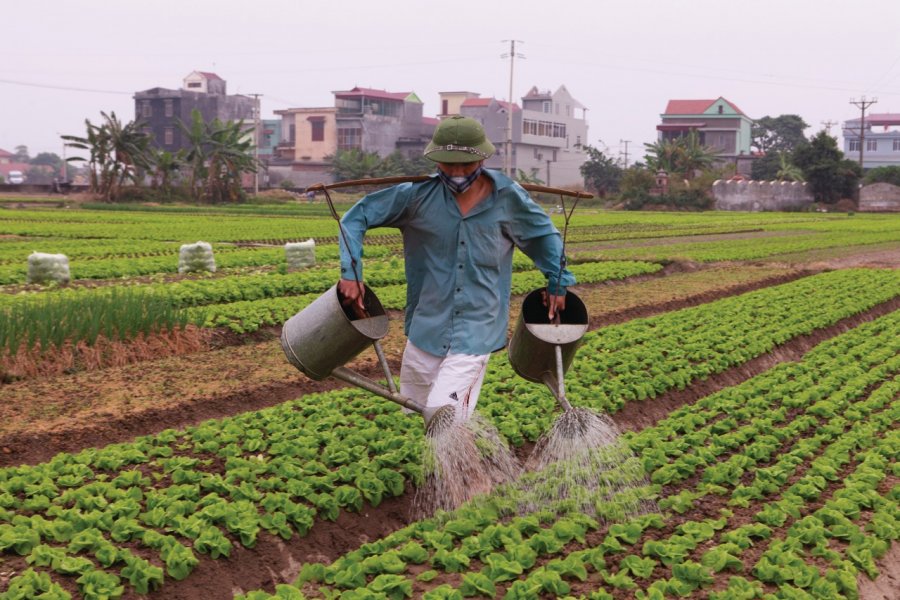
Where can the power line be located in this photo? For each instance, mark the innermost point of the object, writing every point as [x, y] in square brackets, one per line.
[62, 87]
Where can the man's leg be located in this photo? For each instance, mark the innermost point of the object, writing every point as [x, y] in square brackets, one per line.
[459, 382]
[417, 374]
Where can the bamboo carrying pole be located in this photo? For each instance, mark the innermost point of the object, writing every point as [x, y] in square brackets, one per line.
[531, 187]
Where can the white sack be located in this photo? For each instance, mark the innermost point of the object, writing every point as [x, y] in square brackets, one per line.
[300, 254]
[44, 268]
[196, 258]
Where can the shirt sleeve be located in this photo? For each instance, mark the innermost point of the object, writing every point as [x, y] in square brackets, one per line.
[385, 208]
[534, 234]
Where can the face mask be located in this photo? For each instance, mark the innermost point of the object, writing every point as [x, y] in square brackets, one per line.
[459, 184]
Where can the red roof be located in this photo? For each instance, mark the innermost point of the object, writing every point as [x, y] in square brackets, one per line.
[695, 107]
[4, 153]
[883, 119]
[370, 93]
[209, 75]
[487, 102]
[431, 120]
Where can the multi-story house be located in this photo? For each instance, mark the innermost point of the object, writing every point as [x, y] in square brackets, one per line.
[161, 109]
[548, 132]
[363, 119]
[881, 139]
[719, 124]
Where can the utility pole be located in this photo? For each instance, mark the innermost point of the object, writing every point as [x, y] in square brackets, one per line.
[862, 104]
[828, 125]
[256, 111]
[626, 142]
[507, 159]
[63, 171]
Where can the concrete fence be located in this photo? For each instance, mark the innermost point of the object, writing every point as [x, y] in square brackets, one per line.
[879, 197]
[759, 196]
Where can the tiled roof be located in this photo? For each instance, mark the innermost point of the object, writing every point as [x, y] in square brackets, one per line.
[487, 102]
[209, 75]
[4, 153]
[359, 91]
[695, 107]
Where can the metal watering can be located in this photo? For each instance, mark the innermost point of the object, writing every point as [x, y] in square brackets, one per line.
[541, 351]
[325, 335]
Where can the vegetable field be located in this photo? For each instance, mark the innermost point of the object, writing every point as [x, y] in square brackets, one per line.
[154, 441]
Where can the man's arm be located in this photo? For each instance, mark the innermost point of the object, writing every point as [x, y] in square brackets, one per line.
[538, 238]
[379, 209]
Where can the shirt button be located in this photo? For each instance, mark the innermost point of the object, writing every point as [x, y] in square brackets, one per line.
[458, 289]
[460, 266]
[463, 243]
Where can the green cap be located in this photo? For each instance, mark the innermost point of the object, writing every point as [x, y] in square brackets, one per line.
[459, 139]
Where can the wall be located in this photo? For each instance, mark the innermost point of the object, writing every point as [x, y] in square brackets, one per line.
[879, 197]
[758, 196]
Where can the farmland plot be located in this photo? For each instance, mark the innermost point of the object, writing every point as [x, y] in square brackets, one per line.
[784, 484]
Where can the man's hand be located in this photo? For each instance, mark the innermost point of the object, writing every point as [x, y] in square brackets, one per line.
[553, 303]
[351, 293]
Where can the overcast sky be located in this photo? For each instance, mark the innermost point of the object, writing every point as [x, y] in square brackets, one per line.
[63, 61]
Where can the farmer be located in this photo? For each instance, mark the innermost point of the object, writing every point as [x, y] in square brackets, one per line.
[459, 228]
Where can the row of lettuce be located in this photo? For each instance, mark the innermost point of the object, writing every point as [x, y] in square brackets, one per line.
[782, 487]
[138, 248]
[134, 514]
[241, 303]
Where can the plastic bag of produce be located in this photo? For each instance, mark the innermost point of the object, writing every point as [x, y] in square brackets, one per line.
[196, 258]
[300, 254]
[45, 268]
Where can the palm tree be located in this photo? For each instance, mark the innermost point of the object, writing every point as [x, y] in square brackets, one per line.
[695, 156]
[682, 156]
[788, 171]
[118, 152]
[218, 156]
[355, 164]
[166, 167]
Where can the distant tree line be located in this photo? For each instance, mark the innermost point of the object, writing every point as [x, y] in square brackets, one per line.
[784, 154]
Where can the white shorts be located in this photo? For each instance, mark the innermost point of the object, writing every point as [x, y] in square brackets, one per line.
[432, 381]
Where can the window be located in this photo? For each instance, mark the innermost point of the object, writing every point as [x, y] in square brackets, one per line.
[170, 108]
[577, 140]
[169, 136]
[853, 146]
[318, 128]
[896, 145]
[871, 145]
[445, 106]
[529, 126]
[559, 130]
[721, 109]
[292, 133]
[546, 106]
[146, 110]
[349, 138]
[194, 84]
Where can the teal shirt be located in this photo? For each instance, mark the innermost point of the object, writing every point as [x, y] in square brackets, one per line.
[458, 268]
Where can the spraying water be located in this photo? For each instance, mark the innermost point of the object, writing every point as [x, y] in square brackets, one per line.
[462, 459]
[581, 463]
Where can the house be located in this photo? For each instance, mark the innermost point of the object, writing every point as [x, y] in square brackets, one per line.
[364, 119]
[719, 123]
[161, 109]
[548, 132]
[881, 137]
[9, 163]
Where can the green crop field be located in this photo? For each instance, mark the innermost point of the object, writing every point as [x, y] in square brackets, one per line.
[751, 360]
